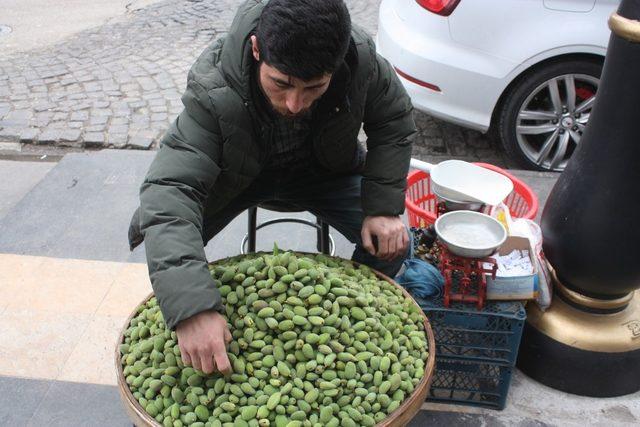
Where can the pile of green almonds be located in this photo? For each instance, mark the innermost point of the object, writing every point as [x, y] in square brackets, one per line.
[317, 341]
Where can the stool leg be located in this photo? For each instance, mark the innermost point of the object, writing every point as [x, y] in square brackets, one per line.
[319, 244]
[253, 220]
[324, 241]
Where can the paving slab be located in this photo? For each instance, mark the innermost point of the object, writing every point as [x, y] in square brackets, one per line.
[17, 179]
[81, 210]
[19, 399]
[440, 418]
[68, 404]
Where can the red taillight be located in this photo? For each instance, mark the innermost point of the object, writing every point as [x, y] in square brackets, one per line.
[441, 7]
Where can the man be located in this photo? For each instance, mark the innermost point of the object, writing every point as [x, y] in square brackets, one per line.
[272, 114]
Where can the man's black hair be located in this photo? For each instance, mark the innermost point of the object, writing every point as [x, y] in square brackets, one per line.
[304, 38]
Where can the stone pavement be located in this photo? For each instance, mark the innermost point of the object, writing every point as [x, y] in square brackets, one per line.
[119, 85]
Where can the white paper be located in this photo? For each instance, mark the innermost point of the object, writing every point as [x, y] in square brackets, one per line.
[514, 264]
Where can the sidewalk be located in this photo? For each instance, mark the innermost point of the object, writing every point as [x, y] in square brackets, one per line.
[69, 281]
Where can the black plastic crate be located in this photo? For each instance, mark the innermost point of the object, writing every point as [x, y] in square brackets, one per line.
[469, 382]
[463, 332]
[476, 350]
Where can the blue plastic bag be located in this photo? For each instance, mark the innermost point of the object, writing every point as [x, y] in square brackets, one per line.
[421, 278]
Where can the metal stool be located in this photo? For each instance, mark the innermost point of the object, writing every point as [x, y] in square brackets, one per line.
[325, 242]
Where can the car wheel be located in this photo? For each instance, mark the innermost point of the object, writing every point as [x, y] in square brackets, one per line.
[545, 113]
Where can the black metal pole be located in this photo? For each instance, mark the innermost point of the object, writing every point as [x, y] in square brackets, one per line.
[588, 341]
[590, 221]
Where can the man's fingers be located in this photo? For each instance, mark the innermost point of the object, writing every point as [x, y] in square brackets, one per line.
[186, 359]
[393, 248]
[367, 243]
[400, 245]
[383, 247]
[389, 235]
[195, 361]
[206, 361]
[222, 360]
[227, 336]
[406, 241]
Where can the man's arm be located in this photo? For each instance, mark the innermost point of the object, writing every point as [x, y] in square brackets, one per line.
[390, 129]
[172, 199]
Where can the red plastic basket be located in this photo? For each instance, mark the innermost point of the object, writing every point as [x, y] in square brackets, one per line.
[421, 201]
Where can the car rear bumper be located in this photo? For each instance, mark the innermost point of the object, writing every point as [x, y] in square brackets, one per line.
[470, 81]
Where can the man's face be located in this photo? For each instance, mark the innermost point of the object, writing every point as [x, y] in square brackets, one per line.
[289, 96]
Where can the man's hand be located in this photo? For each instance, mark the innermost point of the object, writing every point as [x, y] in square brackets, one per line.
[391, 234]
[202, 339]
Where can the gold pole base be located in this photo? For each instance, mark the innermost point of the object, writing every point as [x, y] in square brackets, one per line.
[583, 353]
[608, 333]
[589, 303]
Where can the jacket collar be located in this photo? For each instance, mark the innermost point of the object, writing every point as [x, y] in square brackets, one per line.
[336, 95]
[236, 58]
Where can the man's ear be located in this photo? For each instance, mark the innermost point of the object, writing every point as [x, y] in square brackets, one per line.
[254, 48]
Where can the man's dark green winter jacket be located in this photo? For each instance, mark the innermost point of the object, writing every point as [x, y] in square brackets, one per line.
[217, 146]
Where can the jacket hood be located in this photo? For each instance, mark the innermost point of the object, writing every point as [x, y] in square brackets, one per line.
[236, 58]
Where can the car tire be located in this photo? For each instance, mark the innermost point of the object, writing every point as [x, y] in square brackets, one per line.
[531, 96]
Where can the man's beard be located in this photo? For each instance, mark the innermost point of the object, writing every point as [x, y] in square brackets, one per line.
[288, 115]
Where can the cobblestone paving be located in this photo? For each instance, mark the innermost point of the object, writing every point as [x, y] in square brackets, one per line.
[119, 85]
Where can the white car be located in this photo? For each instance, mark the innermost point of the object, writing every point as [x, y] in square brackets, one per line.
[526, 69]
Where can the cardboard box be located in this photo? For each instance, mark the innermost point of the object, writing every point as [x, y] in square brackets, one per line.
[518, 287]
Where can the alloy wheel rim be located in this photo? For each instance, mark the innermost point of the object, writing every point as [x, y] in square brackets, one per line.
[552, 119]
